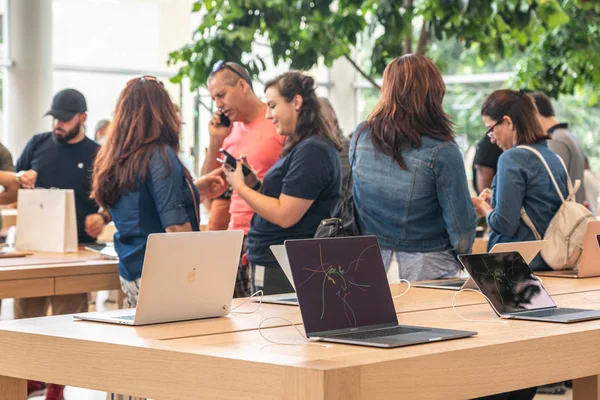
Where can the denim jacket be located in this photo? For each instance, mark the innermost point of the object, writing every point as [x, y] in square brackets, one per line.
[522, 181]
[163, 200]
[426, 208]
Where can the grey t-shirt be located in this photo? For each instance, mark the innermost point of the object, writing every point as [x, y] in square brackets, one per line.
[568, 147]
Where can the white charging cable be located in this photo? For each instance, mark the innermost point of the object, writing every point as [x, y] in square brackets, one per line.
[494, 320]
[587, 297]
[299, 342]
[403, 293]
[247, 300]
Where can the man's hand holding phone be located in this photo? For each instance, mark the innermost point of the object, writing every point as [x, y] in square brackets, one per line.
[218, 128]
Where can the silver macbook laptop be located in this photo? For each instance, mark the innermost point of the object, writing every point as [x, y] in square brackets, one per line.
[345, 297]
[528, 250]
[186, 276]
[589, 265]
[515, 292]
[289, 299]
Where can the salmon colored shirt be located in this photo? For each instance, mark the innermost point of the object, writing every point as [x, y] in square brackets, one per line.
[261, 144]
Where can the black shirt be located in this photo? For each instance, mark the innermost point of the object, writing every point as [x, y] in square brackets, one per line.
[311, 171]
[487, 155]
[64, 166]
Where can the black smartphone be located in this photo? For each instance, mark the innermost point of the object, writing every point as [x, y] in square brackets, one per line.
[232, 162]
[598, 240]
[225, 121]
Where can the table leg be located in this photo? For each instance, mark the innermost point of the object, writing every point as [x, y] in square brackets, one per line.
[120, 298]
[13, 388]
[587, 388]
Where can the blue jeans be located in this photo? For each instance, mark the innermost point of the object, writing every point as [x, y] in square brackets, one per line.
[416, 266]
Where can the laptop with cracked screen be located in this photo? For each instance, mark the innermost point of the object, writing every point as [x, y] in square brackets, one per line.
[345, 297]
[515, 292]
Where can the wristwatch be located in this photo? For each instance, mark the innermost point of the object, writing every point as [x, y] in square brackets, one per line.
[19, 175]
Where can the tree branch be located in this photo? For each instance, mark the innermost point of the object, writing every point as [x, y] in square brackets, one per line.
[363, 73]
[423, 38]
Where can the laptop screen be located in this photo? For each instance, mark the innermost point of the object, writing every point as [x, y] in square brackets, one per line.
[340, 283]
[507, 281]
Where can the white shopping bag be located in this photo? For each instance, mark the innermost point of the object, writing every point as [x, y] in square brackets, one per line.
[46, 220]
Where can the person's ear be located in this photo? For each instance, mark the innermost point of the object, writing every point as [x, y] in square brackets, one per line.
[297, 102]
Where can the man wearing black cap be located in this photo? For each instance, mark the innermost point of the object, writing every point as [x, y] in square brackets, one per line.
[63, 158]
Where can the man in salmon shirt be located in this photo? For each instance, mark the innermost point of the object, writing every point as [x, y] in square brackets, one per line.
[249, 134]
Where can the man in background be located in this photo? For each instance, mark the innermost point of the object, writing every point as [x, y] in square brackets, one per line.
[250, 133]
[563, 142]
[63, 159]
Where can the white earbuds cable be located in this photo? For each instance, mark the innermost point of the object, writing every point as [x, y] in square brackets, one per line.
[247, 300]
[494, 320]
[587, 297]
[403, 293]
[304, 341]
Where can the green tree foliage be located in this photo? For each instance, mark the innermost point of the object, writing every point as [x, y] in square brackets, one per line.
[301, 32]
[567, 58]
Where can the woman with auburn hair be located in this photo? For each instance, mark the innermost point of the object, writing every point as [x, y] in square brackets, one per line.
[521, 181]
[410, 187]
[141, 181]
[301, 189]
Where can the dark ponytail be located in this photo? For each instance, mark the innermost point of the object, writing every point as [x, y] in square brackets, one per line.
[310, 118]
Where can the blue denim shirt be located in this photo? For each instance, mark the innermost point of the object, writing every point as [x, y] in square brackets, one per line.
[522, 181]
[163, 200]
[426, 208]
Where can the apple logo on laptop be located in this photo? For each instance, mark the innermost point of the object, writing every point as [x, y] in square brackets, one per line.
[192, 275]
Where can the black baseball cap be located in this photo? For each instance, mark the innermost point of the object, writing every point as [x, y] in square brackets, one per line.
[66, 104]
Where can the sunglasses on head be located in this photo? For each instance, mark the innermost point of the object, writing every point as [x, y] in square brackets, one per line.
[144, 79]
[219, 65]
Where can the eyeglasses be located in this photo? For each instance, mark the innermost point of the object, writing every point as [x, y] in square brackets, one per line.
[490, 132]
[219, 65]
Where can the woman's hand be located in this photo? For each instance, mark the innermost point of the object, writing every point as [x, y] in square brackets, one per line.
[482, 208]
[486, 195]
[236, 177]
[251, 180]
[212, 185]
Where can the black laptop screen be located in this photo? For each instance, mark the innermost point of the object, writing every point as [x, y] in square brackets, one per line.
[341, 283]
[507, 281]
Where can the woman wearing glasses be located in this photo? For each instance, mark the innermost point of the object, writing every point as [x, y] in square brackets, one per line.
[141, 181]
[301, 189]
[521, 179]
[410, 187]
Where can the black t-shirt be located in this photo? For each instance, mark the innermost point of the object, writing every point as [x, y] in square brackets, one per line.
[486, 154]
[310, 171]
[64, 166]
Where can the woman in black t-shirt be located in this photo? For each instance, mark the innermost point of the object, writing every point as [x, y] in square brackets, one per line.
[301, 189]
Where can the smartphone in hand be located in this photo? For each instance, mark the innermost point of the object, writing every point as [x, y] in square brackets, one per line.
[232, 162]
[225, 121]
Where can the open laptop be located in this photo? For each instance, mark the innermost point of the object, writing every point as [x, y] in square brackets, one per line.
[589, 265]
[515, 292]
[345, 297]
[188, 275]
[528, 250]
[289, 299]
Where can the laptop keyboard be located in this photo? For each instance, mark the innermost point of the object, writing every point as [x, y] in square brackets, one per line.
[552, 312]
[396, 330]
[126, 317]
